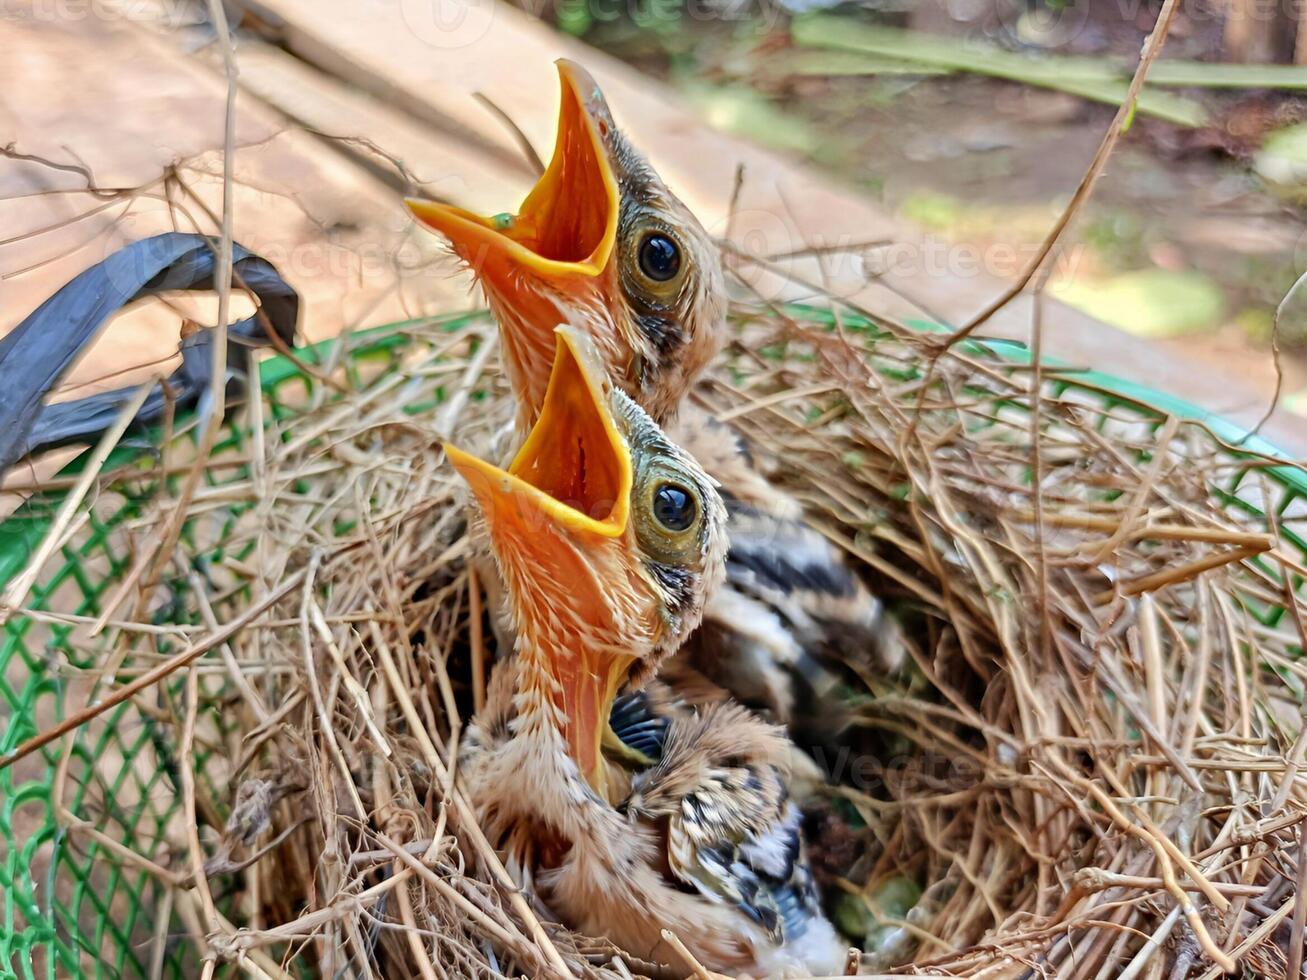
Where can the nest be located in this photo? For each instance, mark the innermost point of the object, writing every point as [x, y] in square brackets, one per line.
[1086, 763]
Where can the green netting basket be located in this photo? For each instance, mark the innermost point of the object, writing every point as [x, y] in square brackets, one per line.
[71, 904]
[75, 907]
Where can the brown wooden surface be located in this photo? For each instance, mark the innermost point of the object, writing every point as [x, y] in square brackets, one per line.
[111, 97]
[131, 101]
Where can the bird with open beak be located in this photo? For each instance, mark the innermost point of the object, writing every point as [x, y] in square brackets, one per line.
[609, 539]
[600, 243]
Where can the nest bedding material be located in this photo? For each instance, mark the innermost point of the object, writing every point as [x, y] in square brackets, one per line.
[1087, 765]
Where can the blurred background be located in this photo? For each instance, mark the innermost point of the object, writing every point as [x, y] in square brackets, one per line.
[905, 155]
[976, 118]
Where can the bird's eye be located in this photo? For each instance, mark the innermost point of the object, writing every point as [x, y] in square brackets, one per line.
[674, 507]
[660, 257]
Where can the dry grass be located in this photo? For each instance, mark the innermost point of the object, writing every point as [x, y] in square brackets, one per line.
[1090, 759]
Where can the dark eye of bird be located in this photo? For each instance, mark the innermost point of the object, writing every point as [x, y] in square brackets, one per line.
[673, 507]
[660, 258]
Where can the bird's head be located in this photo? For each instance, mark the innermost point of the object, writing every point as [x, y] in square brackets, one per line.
[601, 244]
[609, 539]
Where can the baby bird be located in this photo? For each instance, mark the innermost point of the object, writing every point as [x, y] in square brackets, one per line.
[610, 539]
[600, 243]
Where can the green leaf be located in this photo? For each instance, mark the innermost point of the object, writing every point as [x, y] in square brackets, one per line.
[746, 112]
[1283, 157]
[574, 19]
[832, 63]
[850, 915]
[1130, 117]
[1089, 78]
[896, 897]
[1149, 302]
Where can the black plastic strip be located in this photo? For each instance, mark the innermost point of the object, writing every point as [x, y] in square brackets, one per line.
[41, 349]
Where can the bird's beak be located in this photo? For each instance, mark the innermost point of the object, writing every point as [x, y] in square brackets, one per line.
[552, 517]
[573, 473]
[565, 230]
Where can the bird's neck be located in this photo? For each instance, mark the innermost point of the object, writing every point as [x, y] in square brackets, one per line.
[567, 691]
[529, 350]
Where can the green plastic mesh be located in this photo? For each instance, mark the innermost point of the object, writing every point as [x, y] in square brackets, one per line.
[72, 904]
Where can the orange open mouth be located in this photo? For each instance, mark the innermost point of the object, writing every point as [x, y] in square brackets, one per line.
[572, 478]
[574, 470]
[568, 223]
